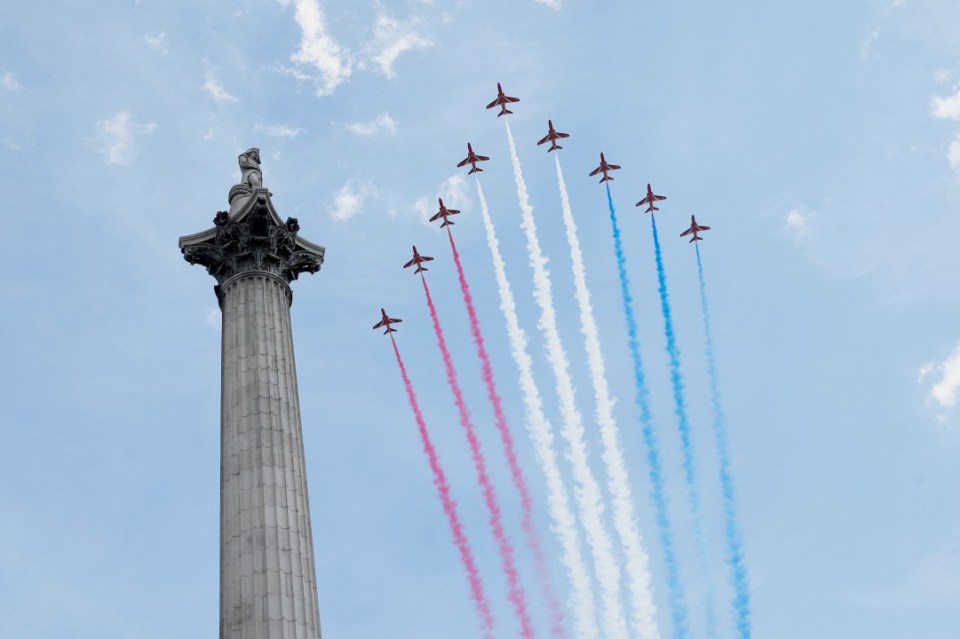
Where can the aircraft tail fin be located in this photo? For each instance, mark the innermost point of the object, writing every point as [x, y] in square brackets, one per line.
[606, 178]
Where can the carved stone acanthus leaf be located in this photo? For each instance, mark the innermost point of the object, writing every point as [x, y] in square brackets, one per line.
[254, 243]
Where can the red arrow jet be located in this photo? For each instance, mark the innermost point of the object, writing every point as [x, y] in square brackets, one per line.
[650, 199]
[694, 228]
[418, 260]
[603, 168]
[502, 101]
[552, 135]
[472, 159]
[386, 322]
[444, 212]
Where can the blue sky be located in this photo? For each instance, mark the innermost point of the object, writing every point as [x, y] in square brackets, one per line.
[819, 140]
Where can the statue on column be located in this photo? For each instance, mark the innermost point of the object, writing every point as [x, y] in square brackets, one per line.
[251, 178]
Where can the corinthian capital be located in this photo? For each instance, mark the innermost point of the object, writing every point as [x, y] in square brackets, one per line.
[253, 239]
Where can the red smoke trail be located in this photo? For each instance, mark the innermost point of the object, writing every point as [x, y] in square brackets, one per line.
[517, 595]
[529, 528]
[449, 506]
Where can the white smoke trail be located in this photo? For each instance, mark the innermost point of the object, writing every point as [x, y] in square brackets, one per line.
[588, 492]
[558, 501]
[644, 617]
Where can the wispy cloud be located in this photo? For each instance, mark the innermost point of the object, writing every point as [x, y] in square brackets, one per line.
[944, 388]
[157, 41]
[8, 81]
[278, 130]
[382, 122]
[392, 37]
[318, 49]
[946, 108]
[117, 137]
[866, 46]
[349, 200]
[216, 91]
[455, 193]
[553, 4]
[798, 224]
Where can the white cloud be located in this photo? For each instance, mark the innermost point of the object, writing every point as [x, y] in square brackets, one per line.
[156, 41]
[214, 318]
[8, 81]
[553, 4]
[953, 154]
[455, 193]
[942, 76]
[117, 136]
[944, 391]
[216, 91]
[349, 199]
[947, 108]
[318, 49]
[382, 122]
[866, 47]
[391, 38]
[799, 225]
[278, 130]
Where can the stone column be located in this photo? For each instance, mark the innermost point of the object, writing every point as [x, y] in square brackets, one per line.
[267, 577]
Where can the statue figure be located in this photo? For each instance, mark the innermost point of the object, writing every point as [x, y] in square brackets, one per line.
[250, 178]
[250, 173]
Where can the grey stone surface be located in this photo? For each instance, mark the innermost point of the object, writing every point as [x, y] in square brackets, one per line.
[251, 179]
[267, 576]
[268, 588]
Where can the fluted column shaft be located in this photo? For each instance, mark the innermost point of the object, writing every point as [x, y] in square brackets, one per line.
[267, 576]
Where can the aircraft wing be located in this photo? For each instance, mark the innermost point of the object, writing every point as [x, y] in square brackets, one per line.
[494, 103]
[563, 135]
[436, 216]
[509, 99]
[704, 228]
[688, 231]
[482, 158]
[463, 162]
[545, 138]
[410, 263]
[379, 324]
[596, 170]
[613, 167]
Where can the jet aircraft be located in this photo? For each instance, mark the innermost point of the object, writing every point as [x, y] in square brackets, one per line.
[472, 159]
[694, 228]
[502, 101]
[649, 200]
[552, 136]
[418, 260]
[603, 168]
[444, 212]
[386, 322]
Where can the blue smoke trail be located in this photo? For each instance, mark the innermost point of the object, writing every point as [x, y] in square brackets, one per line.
[683, 424]
[735, 560]
[678, 606]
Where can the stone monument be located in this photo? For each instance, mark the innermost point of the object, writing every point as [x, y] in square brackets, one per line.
[268, 584]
